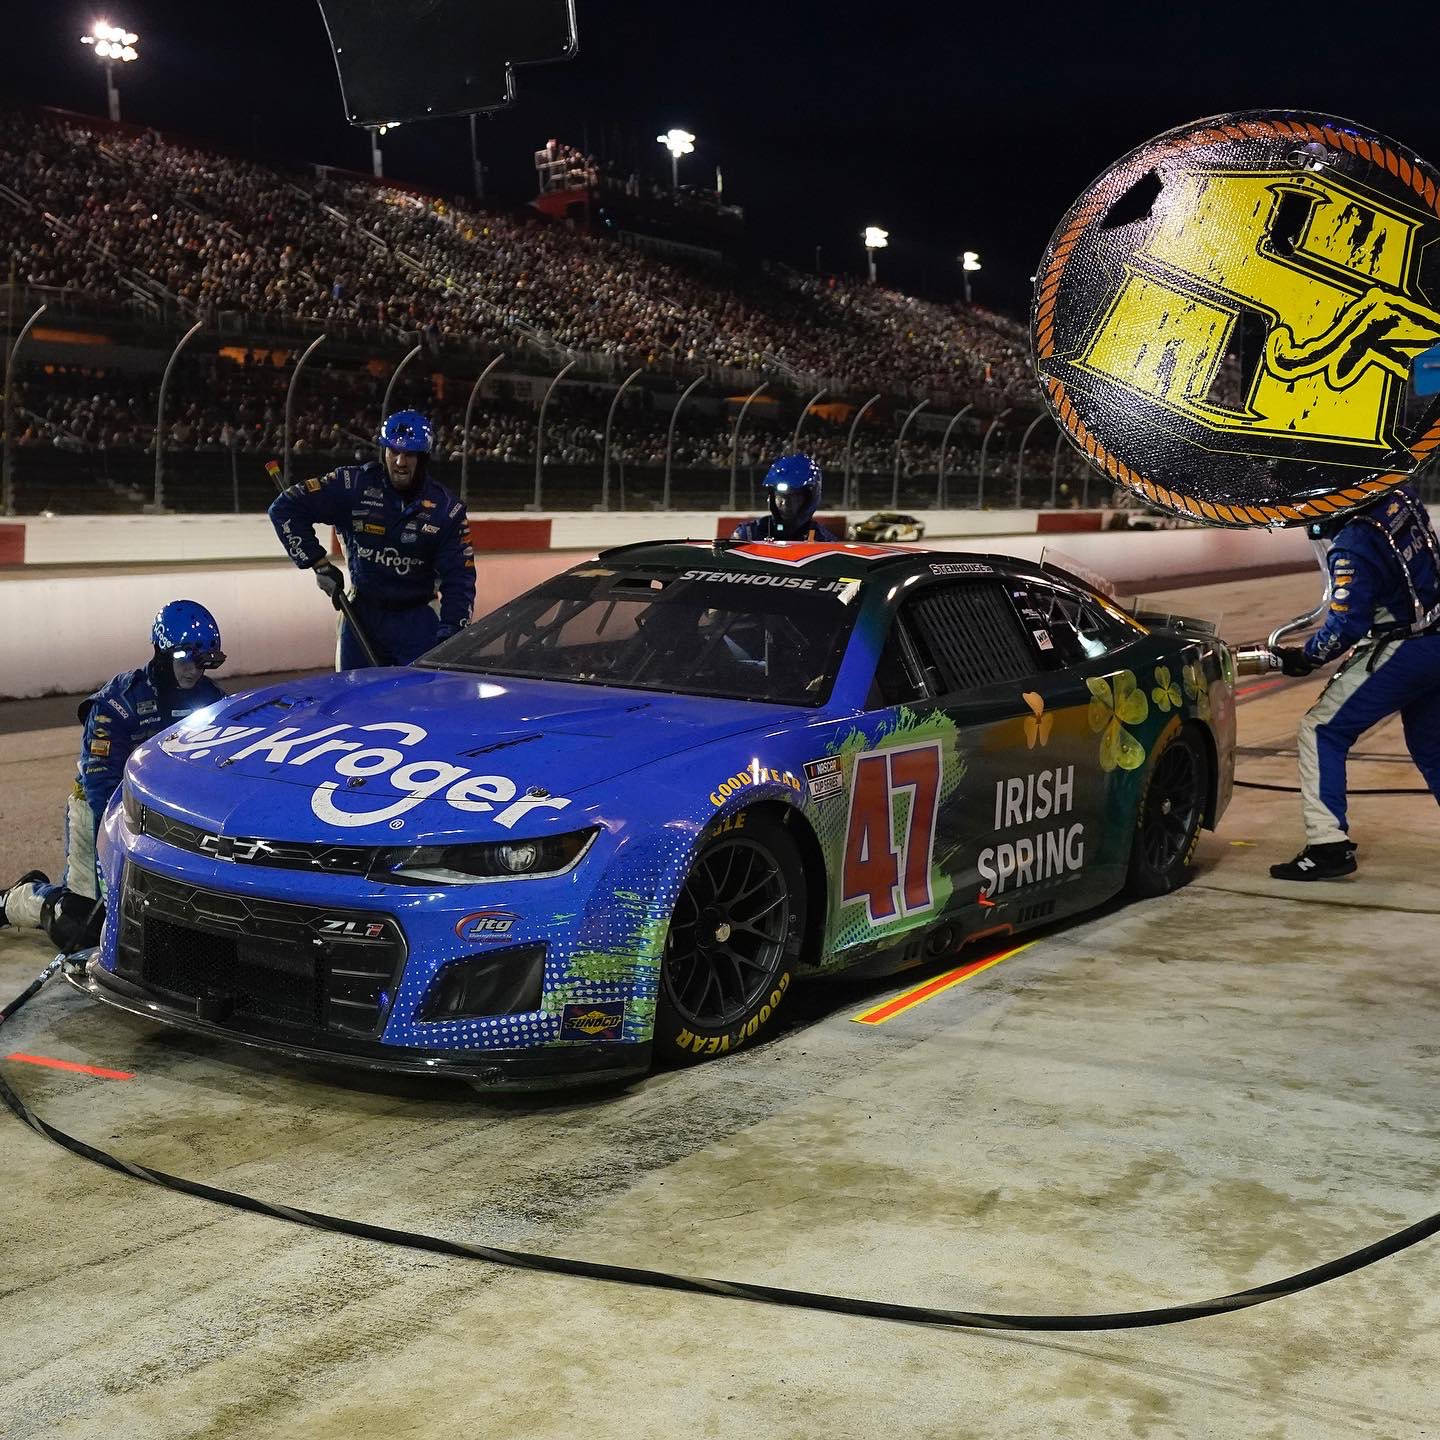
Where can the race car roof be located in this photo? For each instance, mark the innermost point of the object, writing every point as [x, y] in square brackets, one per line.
[830, 559]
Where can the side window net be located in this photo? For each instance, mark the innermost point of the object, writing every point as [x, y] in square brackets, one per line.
[969, 636]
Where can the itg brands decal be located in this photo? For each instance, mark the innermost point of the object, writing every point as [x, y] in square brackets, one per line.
[490, 924]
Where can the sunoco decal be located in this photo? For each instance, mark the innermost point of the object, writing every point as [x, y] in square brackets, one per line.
[353, 759]
[592, 1022]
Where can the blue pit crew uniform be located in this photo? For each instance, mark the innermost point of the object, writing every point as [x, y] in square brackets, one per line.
[397, 549]
[1384, 568]
[126, 711]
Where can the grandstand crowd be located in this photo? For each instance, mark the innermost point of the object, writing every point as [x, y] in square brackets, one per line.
[124, 217]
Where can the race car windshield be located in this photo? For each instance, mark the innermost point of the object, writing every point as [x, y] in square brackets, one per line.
[736, 635]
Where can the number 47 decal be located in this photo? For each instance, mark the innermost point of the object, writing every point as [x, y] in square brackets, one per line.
[892, 882]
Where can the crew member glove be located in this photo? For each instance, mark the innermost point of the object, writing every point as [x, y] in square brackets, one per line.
[331, 580]
[1294, 661]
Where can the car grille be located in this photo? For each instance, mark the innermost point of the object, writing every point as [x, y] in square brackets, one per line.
[236, 959]
[280, 854]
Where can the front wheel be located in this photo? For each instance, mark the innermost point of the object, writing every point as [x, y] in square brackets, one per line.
[734, 939]
[1172, 810]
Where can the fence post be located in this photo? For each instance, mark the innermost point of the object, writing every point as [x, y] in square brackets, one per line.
[234, 473]
[609, 425]
[850, 498]
[815, 399]
[465, 433]
[158, 502]
[735, 438]
[1055, 471]
[899, 443]
[941, 495]
[670, 437]
[9, 462]
[394, 376]
[540, 430]
[984, 450]
[1020, 465]
[290, 401]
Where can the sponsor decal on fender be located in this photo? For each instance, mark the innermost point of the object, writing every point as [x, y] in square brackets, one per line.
[824, 777]
[1031, 858]
[491, 924]
[962, 567]
[592, 1022]
[349, 756]
[755, 775]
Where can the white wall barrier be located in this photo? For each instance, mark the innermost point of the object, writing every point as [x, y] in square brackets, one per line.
[66, 632]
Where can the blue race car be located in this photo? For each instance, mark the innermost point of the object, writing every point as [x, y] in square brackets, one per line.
[624, 814]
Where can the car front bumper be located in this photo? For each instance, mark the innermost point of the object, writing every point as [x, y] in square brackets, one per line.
[536, 1068]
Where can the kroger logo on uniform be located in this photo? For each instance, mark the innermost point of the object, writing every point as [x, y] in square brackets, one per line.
[359, 759]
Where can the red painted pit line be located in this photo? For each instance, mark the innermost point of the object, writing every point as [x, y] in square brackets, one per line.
[50, 1063]
[1255, 689]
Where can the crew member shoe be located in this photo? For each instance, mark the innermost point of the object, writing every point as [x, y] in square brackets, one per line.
[30, 877]
[1319, 862]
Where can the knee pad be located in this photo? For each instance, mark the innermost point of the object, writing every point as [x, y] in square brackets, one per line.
[73, 922]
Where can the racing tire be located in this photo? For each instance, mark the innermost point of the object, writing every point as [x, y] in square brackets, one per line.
[734, 940]
[1170, 816]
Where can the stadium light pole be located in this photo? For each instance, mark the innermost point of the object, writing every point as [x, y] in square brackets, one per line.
[1055, 470]
[969, 264]
[941, 494]
[377, 161]
[984, 450]
[899, 448]
[815, 399]
[465, 433]
[540, 431]
[114, 45]
[690, 389]
[678, 143]
[735, 439]
[609, 426]
[850, 497]
[875, 239]
[9, 463]
[158, 503]
[310, 349]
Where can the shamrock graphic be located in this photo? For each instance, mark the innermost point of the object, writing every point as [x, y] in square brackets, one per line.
[1197, 689]
[1111, 710]
[1037, 722]
[1166, 693]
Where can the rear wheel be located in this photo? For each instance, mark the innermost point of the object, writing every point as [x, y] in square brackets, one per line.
[1172, 810]
[733, 942]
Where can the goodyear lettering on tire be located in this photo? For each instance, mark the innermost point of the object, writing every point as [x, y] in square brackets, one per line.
[734, 1039]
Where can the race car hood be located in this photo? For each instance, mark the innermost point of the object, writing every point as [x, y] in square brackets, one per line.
[403, 755]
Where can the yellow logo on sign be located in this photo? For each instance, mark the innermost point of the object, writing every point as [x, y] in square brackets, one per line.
[1327, 265]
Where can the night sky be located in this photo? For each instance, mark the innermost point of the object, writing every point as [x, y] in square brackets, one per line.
[975, 132]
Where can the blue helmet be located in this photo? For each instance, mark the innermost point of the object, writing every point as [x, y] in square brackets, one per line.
[186, 630]
[407, 431]
[794, 484]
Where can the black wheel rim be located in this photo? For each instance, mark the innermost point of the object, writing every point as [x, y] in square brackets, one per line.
[1172, 808]
[727, 936]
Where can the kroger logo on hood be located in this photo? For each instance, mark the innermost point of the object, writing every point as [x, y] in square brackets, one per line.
[355, 758]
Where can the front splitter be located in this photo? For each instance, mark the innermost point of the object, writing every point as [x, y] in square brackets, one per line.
[560, 1067]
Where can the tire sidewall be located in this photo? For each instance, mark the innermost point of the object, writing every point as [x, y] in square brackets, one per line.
[679, 1040]
[1144, 879]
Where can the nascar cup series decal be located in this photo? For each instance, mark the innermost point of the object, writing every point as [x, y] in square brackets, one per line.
[1225, 320]
[351, 752]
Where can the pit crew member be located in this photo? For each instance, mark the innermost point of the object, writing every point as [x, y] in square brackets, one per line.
[403, 533]
[125, 711]
[793, 484]
[1384, 564]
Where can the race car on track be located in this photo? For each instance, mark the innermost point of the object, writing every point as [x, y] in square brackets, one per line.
[625, 813]
[888, 525]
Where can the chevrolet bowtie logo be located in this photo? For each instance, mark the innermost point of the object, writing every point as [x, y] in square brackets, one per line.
[228, 847]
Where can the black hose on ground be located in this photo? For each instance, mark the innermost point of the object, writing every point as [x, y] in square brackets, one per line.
[735, 1290]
